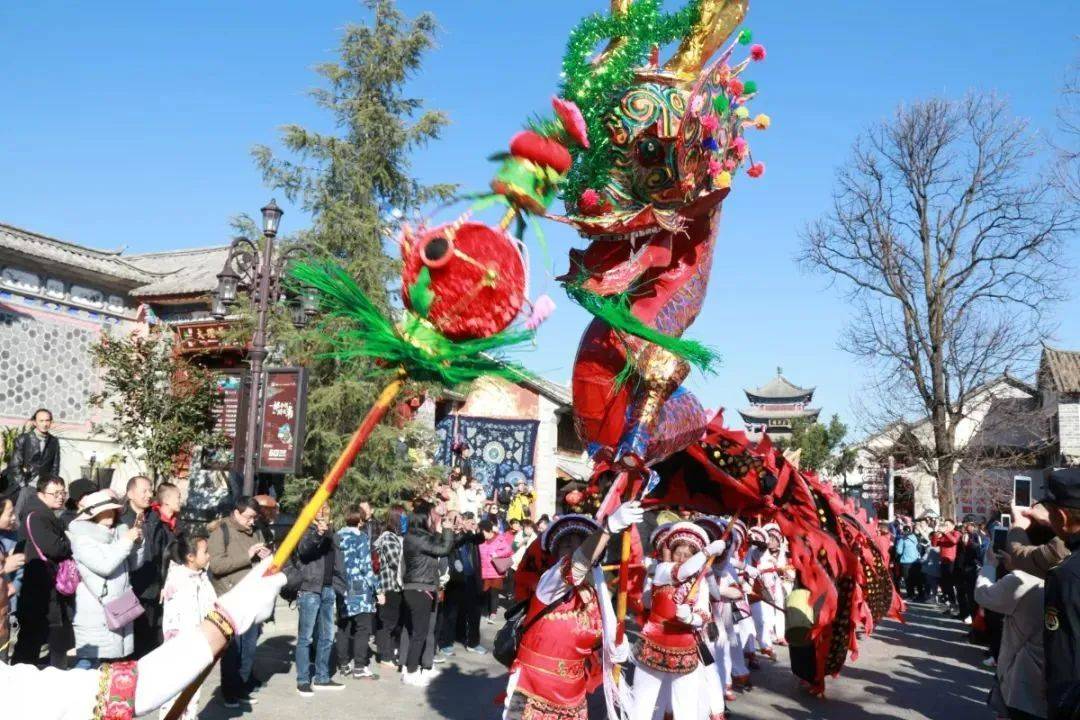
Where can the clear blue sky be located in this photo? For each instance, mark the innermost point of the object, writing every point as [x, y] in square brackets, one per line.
[130, 124]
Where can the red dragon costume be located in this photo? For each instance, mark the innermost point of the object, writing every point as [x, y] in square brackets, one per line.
[643, 154]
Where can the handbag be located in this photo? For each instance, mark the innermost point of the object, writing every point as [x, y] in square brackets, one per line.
[502, 564]
[508, 639]
[121, 611]
[65, 573]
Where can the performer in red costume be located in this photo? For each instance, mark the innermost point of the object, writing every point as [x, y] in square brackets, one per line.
[666, 657]
[570, 618]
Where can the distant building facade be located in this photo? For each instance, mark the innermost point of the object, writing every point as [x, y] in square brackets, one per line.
[775, 405]
[504, 432]
[56, 300]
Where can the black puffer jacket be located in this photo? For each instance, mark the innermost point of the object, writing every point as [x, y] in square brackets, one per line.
[422, 552]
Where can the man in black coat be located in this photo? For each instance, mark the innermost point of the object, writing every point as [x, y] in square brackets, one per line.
[36, 456]
[158, 518]
[317, 601]
[44, 615]
[461, 612]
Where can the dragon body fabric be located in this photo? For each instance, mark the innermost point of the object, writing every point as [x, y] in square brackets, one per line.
[642, 155]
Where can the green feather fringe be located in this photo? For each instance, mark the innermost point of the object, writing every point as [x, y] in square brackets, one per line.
[420, 295]
[615, 311]
[413, 345]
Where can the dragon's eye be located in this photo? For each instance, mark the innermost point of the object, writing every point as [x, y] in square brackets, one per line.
[650, 151]
[436, 252]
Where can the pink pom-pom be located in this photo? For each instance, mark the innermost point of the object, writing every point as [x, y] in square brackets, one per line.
[541, 311]
[730, 164]
[572, 120]
[589, 200]
[740, 146]
[735, 87]
[709, 123]
[757, 52]
[756, 170]
[715, 167]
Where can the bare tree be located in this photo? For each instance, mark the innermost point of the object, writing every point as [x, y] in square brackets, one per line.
[1067, 169]
[950, 253]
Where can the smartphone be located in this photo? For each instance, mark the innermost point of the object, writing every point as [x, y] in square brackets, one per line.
[1006, 520]
[1000, 536]
[1022, 491]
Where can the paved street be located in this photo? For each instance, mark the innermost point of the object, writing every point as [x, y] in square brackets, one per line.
[923, 669]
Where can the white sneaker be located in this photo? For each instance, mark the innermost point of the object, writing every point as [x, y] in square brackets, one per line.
[967, 620]
[432, 673]
[415, 679]
[989, 662]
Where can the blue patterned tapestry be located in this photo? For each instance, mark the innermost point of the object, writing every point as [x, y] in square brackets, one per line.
[502, 450]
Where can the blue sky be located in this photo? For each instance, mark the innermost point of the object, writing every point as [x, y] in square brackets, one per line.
[130, 124]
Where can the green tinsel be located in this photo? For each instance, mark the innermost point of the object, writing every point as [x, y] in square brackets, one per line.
[597, 90]
[413, 345]
[615, 311]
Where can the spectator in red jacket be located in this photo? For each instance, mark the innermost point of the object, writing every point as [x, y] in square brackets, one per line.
[947, 541]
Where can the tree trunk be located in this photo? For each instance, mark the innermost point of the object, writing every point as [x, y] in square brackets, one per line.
[946, 475]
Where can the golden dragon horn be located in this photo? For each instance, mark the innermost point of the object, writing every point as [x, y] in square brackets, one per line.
[618, 7]
[718, 20]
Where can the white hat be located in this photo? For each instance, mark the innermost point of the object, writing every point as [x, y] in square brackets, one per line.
[98, 502]
[685, 532]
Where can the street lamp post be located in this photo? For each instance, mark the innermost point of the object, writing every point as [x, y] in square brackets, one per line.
[259, 272]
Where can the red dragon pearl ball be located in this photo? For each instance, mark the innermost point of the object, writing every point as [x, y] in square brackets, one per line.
[477, 277]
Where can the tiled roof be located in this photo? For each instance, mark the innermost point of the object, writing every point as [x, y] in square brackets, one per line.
[551, 390]
[778, 388]
[182, 272]
[71, 255]
[1061, 369]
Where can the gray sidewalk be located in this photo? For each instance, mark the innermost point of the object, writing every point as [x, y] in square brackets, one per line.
[921, 670]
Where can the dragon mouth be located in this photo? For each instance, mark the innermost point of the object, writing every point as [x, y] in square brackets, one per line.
[625, 245]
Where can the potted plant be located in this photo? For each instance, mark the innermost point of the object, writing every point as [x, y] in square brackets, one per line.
[103, 474]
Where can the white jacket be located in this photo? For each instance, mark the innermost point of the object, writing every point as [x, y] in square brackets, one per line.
[104, 556]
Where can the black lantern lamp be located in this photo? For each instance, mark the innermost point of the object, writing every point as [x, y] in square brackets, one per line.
[271, 218]
[218, 308]
[309, 301]
[228, 284]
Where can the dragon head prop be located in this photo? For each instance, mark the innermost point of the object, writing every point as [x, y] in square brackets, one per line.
[664, 140]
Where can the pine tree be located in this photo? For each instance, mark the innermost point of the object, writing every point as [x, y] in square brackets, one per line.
[351, 181]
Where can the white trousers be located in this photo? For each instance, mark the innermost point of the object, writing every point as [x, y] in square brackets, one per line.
[684, 693]
[762, 625]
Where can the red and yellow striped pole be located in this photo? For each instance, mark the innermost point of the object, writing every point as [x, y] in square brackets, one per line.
[307, 515]
[333, 477]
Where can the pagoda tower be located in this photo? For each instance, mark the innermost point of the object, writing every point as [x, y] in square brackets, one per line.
[774, 406]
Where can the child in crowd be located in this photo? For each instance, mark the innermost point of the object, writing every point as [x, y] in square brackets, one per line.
[356, 608]
[188, 596]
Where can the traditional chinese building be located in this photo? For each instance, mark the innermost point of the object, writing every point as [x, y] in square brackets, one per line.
[506, 432]
[774, 406]
[57, 298]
